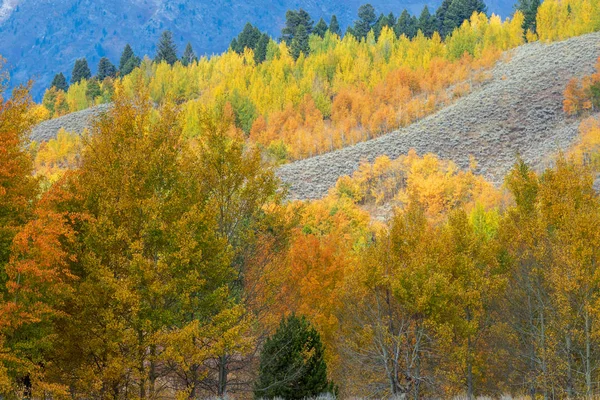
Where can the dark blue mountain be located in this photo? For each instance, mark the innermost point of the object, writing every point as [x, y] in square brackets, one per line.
[39, 38]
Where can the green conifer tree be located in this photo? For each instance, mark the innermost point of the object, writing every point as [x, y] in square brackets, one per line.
[188, 55]
[334, 26]
[320, 28]
[106, 69]
[292, 363]
[81, 71]
[366, 20]
[300, 42]
[129, 61]
[60, 82]
[427, 23]
[166, 49]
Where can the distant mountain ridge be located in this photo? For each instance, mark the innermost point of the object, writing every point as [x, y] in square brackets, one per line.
[39, 38]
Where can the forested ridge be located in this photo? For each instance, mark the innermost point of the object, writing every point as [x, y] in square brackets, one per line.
[156, 256]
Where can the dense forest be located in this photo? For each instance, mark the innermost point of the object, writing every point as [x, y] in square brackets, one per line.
[157, 255]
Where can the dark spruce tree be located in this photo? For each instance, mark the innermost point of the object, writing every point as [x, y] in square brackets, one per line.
[382, 22]
[406, 25]
[60, 82]
[106, 69]
[334, 26]
[427, 23]
[166, 50]
[320, 28]
[128, 62]
[292, 363]
[366, 20]
[189, 56]
[93, 90]
[260, 52]
[440, 16]
[459, 11]
[529, 9]
[248, 38]
[300, 42]
[81, 71]
[293, 19]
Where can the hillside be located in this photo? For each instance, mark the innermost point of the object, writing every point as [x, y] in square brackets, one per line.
[42, 38]
[519, 111]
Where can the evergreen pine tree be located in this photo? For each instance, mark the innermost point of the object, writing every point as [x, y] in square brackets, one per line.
[188, 55]
[81, 71]
[129, 61]
[292, 363]
[93, 90]
[320, 28]
[300, 42]
[406, 25]
[166, 49]
[529, 9]
[293, 19]
[459, 11]
[383, 21]
[427, 23]
[366, 20]
[60, 82]
[248, 38]
[260, 52]
[106, 69]
[334, 26]
[440, 16]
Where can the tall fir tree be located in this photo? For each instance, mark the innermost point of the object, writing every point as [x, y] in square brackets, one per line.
[334, 26]
[188, 55]
[292, 363]
[293, 19]
[529, 9]
[300, 42]
[382, 22]
[320, 28]
[427, 22]
[81, 71]
[406, 25]
[260, 52]
[60, 82]
[166, 49]
[459, 11]
[129, 61]
[440, 16]
[248, 38]
[106, 69]
[366, 20]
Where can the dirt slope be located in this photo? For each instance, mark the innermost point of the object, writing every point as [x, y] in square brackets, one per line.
[518, 111]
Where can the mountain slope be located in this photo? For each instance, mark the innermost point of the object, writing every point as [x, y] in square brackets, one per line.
[40, 38]
[519, 111]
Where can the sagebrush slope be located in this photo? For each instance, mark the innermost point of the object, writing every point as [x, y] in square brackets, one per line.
[518, 111]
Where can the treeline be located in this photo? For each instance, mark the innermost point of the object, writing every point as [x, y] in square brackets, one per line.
[100, 87]
[342, 90]
[159, 264]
